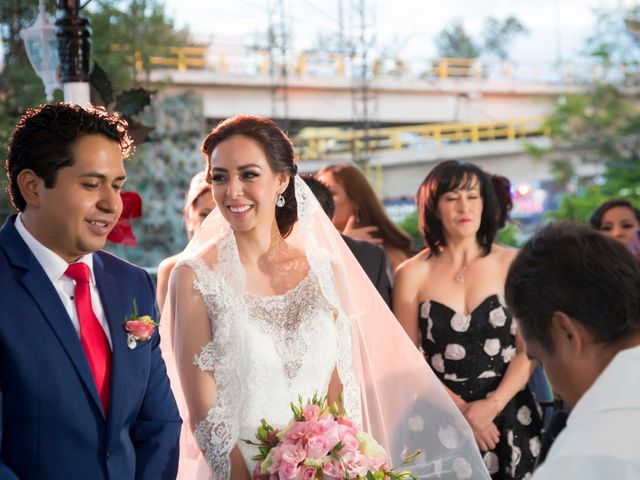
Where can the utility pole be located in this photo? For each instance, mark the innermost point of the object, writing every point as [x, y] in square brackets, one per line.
[278, 63]
[363, 99]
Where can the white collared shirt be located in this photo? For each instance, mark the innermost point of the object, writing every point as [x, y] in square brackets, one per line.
[600, 440]
[54, 266]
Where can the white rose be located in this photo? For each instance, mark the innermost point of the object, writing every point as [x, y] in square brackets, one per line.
[497, 317]
[492, 462]
[460, 322]
[425, 309]
[462, 469]
[492, 346]
[524, 415]
[454, 378]
[416, 423]
[454, 351]
[508, 353]
[448, 437]
[487, 374]
[437, 362]
[534, 446]
[513, 328]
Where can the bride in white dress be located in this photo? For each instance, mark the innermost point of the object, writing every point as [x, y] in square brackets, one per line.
[268, 304]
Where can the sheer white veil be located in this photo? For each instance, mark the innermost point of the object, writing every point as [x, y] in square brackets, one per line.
[388, 386]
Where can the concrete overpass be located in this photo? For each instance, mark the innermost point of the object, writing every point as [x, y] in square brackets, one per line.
[324, 88]
[463, 109]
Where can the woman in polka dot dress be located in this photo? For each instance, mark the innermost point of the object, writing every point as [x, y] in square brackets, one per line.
[449, 300]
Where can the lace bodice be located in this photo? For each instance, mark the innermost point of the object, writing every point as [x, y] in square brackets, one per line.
[284, 347]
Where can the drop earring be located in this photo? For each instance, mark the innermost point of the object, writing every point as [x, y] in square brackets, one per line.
[280, 201]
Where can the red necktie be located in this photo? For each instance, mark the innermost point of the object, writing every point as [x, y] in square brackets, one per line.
[94, 340]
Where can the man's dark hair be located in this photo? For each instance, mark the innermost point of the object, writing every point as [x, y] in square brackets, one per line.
[447, 177]
[322, 194]
[44, 137]
[568, 267]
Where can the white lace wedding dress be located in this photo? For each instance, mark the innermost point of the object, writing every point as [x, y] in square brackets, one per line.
[286, 347]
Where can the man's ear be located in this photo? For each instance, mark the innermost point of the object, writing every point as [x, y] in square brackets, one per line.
[568, 332]
[30, 186]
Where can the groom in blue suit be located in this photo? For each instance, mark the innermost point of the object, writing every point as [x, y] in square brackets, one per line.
[80, 397]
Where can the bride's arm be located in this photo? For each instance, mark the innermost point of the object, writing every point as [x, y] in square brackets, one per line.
[192, 333]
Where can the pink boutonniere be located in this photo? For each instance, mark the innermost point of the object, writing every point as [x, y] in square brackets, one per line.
[139, 329]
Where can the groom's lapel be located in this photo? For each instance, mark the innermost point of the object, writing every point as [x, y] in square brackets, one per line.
[114, 310]
[35, 281]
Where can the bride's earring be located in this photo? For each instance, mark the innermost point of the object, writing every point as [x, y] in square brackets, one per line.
[280, 201]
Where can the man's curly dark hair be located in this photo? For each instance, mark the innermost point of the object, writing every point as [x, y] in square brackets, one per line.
[44, 137]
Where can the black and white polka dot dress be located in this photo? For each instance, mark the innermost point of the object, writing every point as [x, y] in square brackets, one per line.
[470, 354]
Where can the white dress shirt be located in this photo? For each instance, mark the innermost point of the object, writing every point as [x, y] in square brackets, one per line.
[54, 266]
[600, 440]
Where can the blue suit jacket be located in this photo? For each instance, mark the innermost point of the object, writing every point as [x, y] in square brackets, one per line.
[52, 423]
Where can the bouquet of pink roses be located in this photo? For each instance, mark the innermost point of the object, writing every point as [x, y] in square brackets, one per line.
[320, 443]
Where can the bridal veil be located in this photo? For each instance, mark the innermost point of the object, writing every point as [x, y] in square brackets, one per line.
[388, 386]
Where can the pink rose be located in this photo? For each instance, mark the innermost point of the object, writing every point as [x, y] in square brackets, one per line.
[333, 469]
[311, 413]
[345, 427]
[276, 460]
[288, 471]
[350, 444]
[308, 473]
[357, 464]
[293, 453]
[317, 447]
[141, 329]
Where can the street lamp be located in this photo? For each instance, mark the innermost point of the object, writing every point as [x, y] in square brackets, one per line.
[42, 50]
[65, 45]
[74, 46]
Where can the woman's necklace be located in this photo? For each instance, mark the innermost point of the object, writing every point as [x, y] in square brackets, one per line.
[459, 278]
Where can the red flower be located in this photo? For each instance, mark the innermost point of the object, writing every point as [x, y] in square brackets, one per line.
[131, 208]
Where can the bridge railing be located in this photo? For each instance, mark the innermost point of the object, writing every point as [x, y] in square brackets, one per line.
[321, 143]
[328, 64]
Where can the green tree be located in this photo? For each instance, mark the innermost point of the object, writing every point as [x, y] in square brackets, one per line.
[135, 25]
[126, 34]
[454, 42]
[499, 35]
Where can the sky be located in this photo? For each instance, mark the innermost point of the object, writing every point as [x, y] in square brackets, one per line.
[557, 28]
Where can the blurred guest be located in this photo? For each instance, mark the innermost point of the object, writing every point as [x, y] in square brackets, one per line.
[360, 215]
[618, 219]
[502, 187]
[449, 299]
[198, 204]
[576, 295]
[370, 257]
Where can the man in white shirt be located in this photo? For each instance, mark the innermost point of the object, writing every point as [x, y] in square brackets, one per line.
[84, 392]
[576, 295]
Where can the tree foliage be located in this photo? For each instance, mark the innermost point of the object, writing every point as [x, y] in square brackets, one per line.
[498, 35]
[135, 25]
[454, 42]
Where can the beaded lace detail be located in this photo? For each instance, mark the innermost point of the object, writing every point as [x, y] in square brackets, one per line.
[282, 317]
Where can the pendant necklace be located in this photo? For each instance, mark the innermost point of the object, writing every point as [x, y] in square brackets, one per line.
[459, 278]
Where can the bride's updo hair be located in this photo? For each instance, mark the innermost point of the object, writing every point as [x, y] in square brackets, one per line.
[277, 148]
